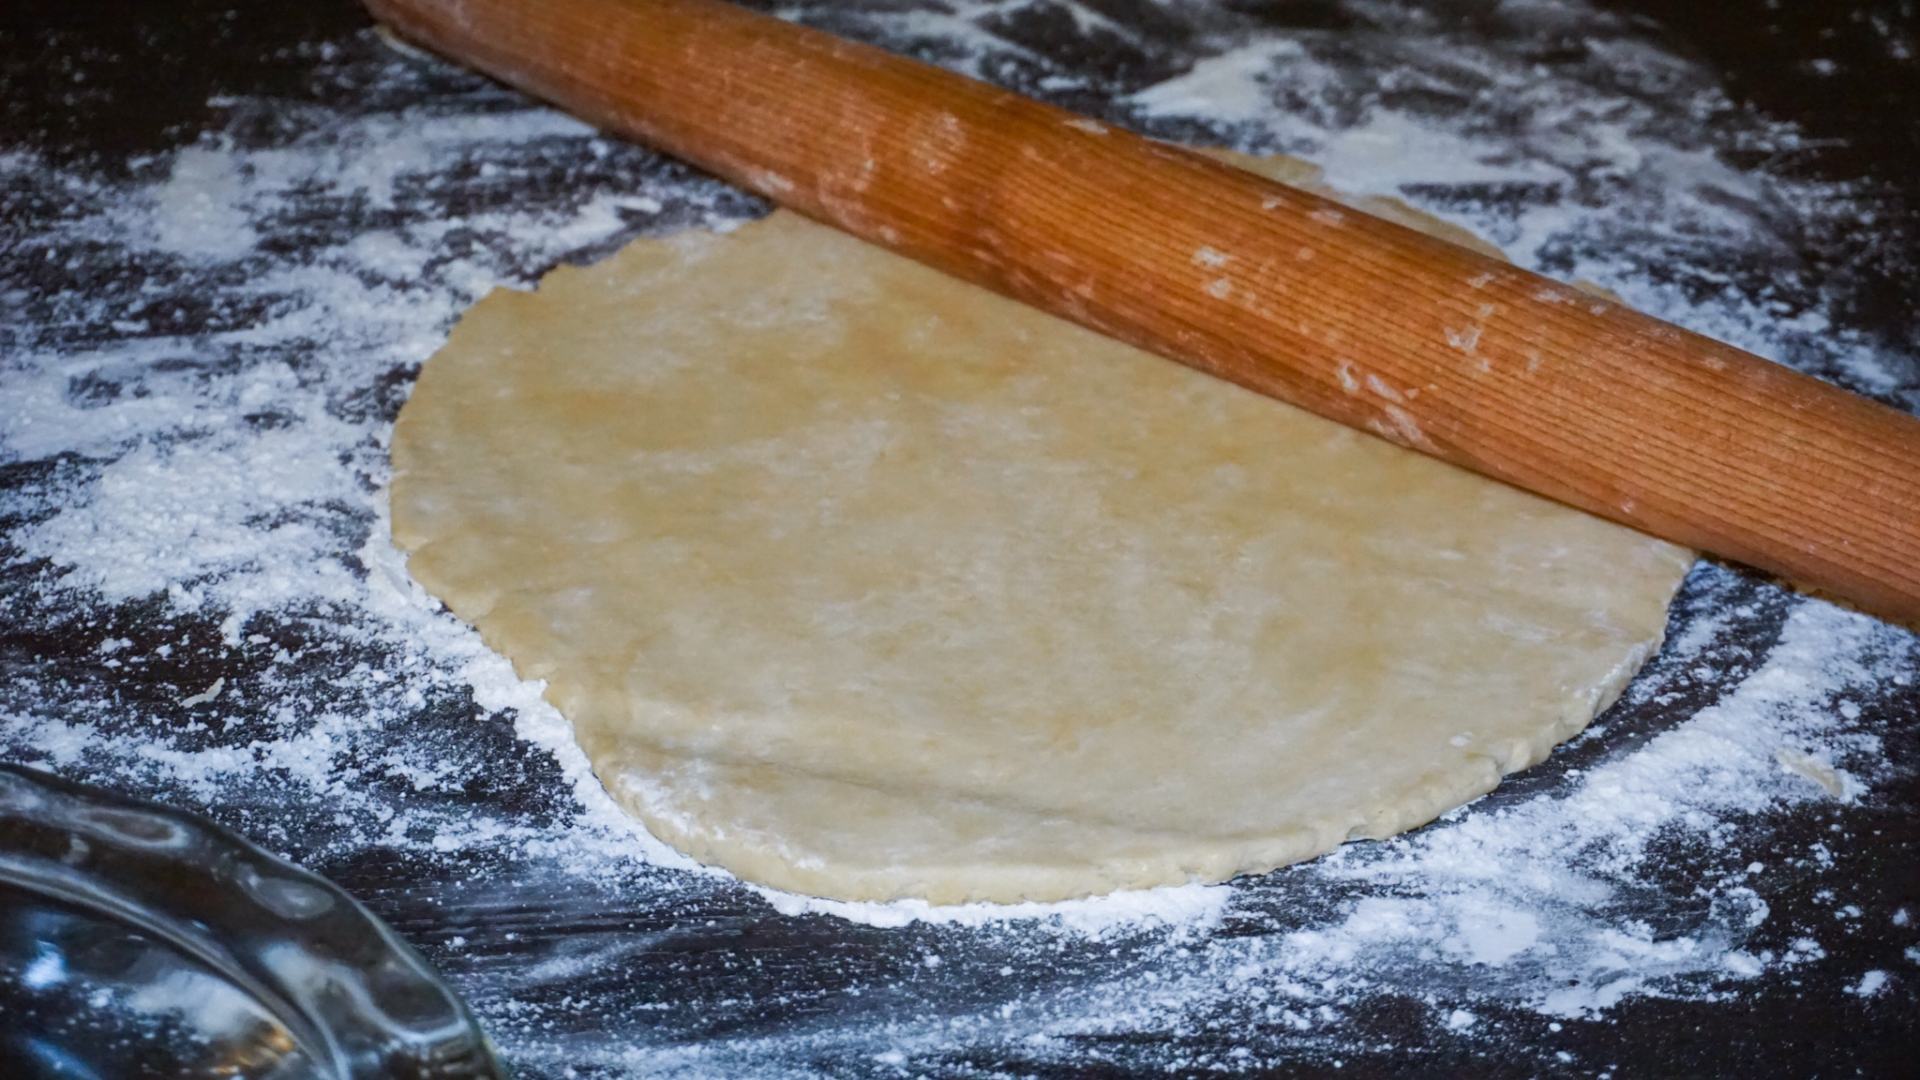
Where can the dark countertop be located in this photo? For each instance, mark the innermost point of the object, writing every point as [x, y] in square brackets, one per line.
[361, 734]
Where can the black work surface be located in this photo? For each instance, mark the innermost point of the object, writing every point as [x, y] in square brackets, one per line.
[648, 969]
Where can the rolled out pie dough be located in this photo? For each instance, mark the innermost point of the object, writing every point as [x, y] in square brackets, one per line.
[863, 582]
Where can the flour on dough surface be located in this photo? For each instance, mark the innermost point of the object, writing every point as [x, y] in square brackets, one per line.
[865, 583]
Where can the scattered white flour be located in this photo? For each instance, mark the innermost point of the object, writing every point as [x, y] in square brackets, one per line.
[1231, 87]
[1872, 984]
[198, 567]
[206, 695]
[1193, 906]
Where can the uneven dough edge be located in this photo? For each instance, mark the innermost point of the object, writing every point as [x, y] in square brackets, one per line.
[1207, 862]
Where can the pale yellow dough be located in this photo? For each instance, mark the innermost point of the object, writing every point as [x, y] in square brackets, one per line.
[862, 582]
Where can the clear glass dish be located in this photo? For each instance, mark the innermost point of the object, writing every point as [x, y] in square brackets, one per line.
[141, 941]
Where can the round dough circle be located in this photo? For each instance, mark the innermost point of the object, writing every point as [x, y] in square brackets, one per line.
[863, 582]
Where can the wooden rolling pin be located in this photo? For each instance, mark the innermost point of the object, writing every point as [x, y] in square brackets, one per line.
[1372, 324]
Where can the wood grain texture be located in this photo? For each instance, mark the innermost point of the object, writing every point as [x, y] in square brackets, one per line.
[1429, 345]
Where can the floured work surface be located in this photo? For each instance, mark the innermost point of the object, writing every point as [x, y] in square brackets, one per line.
[197, 494]
[863, 582]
